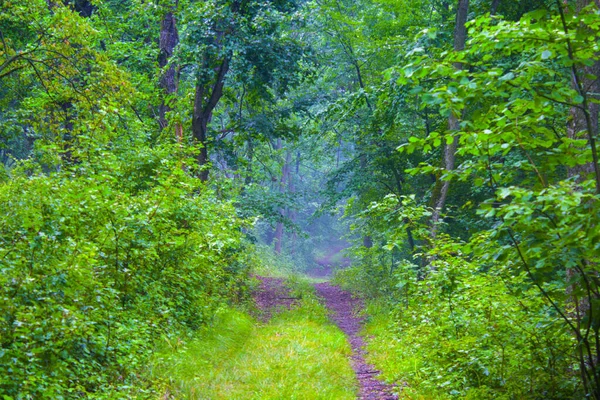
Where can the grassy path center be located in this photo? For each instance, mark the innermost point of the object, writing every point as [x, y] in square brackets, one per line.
[297, 354]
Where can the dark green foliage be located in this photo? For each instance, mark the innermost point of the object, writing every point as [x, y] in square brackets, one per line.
[467, 324]
[513, 277]
[302, 111]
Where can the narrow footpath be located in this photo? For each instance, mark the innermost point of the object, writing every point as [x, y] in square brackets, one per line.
[272, 295]
[343, 312]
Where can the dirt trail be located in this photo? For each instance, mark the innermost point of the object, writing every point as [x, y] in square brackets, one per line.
[343, 308]
[273, 295]
[270, 296]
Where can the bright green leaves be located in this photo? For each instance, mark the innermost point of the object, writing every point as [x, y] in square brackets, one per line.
[59, 87]
[514, 98]
[554, 231]
[97, 265]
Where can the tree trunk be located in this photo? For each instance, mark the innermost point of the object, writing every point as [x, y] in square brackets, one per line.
[367, 240]
[169, 38]
[440, 192]
[584, 122]
[285, 172]
[292, 190]
[249, 166]
[206, 99]
[494, 8]
[85, 8]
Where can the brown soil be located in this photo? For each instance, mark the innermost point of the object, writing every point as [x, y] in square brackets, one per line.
[271, 296]
[343, 312]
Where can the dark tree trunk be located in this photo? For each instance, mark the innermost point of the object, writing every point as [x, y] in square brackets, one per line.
[494, 8]
[84, 7]
[206, 99]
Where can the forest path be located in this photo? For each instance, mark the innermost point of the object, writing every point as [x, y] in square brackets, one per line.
[271, 296]
[343, 313]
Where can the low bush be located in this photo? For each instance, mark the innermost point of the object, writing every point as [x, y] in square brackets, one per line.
[463, 334]
[459, 319]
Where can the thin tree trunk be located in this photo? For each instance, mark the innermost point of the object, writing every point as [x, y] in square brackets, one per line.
[285, 171]
[292, 189]
[249, 166]
[584, 122]
[441, 189]
[367, 240]
[278, 235]
[169, 38]
[584, 125]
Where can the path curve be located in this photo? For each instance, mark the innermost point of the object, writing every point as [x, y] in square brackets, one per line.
[343, 306]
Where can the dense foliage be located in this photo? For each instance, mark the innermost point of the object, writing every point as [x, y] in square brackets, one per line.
[499, 298]
[154, 152]
[108, 241]
[95, 269]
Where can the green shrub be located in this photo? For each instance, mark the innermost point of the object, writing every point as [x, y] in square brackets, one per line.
[466, 323]
[94, 266]
[464, 334]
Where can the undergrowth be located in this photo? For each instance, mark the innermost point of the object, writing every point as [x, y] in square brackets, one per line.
[95, 264]
[460, 334]
[266, 262]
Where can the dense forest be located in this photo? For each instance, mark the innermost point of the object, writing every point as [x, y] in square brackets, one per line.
[160, 158]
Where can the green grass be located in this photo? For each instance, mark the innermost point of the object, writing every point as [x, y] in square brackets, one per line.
[267, 263]
[299, 354]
